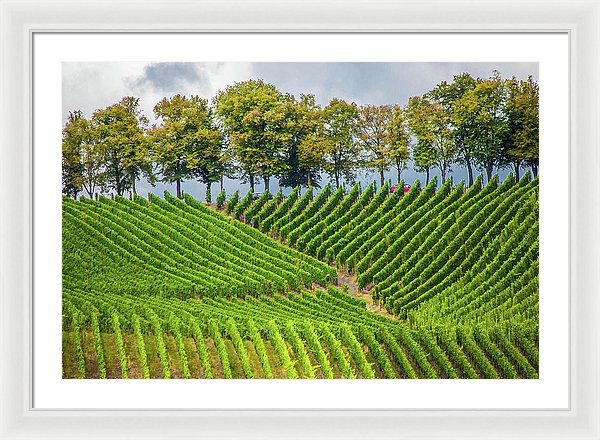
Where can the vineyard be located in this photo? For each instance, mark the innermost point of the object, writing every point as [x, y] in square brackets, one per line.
[437, 282]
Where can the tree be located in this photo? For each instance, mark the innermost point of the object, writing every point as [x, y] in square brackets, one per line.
[398, 139]
[311, 156]
[228, 167]
[187, 144]
[522, 111]
[424, 157]
[212, 159]
[341, 153]
[464, 129]
[430, 123]
[254, 122]
[75, 136]
[303, 120]
[372, 133]
[84, 158]
[484, 106]
[120, 132]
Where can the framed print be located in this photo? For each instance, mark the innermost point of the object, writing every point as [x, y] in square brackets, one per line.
[459, 307]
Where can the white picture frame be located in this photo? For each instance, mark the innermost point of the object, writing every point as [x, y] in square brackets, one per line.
[18, 23]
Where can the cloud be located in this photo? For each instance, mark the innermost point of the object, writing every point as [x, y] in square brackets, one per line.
[91, 86]
[169, 77]
[376, 83]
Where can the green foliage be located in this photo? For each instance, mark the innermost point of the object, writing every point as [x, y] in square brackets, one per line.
[398, 139]
[356, 351]
[76, 319]
[201, 347]
[431, 124]
[373, 132]
[215, 333]
[232, 202]
[298, 346]
[253, 114]
[302, 121]
[187, 144]
[160, 342]
[341, 154]
[253, 130]
[119, 131]
[335, 348]
[254, 208]
[522, 113]
[483, 105]
[81, 160]
[282, 209]
[221, 198]
[99, 350]
[243, 204]
[460, 268]
[281, 349]
[139, 338]
[116, 325]
[261, 351]
[367, 336]
[238, 343]
[312, 340]
[174, 326]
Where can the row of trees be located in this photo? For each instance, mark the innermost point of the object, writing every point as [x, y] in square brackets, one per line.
[476, 123]
[253, 131]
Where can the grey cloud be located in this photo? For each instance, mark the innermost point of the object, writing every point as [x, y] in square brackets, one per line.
[170, 76]
[376, 83]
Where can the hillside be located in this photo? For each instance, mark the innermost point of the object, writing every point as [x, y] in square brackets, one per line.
[171, 288]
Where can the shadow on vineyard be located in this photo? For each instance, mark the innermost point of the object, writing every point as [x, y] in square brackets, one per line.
[437, 282]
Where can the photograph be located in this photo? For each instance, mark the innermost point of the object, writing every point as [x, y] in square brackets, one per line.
[300, 220]
[396, 199]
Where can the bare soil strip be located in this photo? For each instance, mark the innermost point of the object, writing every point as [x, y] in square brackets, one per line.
[350, 280]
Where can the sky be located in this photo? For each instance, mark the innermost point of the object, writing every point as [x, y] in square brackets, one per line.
[92, 86]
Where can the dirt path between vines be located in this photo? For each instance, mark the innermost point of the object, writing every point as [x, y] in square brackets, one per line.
[347, 278]
[344, 277]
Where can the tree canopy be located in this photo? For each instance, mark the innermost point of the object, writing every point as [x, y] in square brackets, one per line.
[252, 130]
[187, 144]
[119, 133]
[342, 156]
[252, 114]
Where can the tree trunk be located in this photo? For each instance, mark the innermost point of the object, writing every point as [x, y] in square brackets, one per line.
[118, 181]
[517, 166]
[208, 191]
[337, 181]
[469, 169]
[381, 177]
[266, 179]
[178, 188]
[251, 180]
[534, 169]
[308, 179]
[89, 189]
[427, 173]
[443, 171]
[489, 169]
[221, 183]
[133, 193]
[399, 171]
